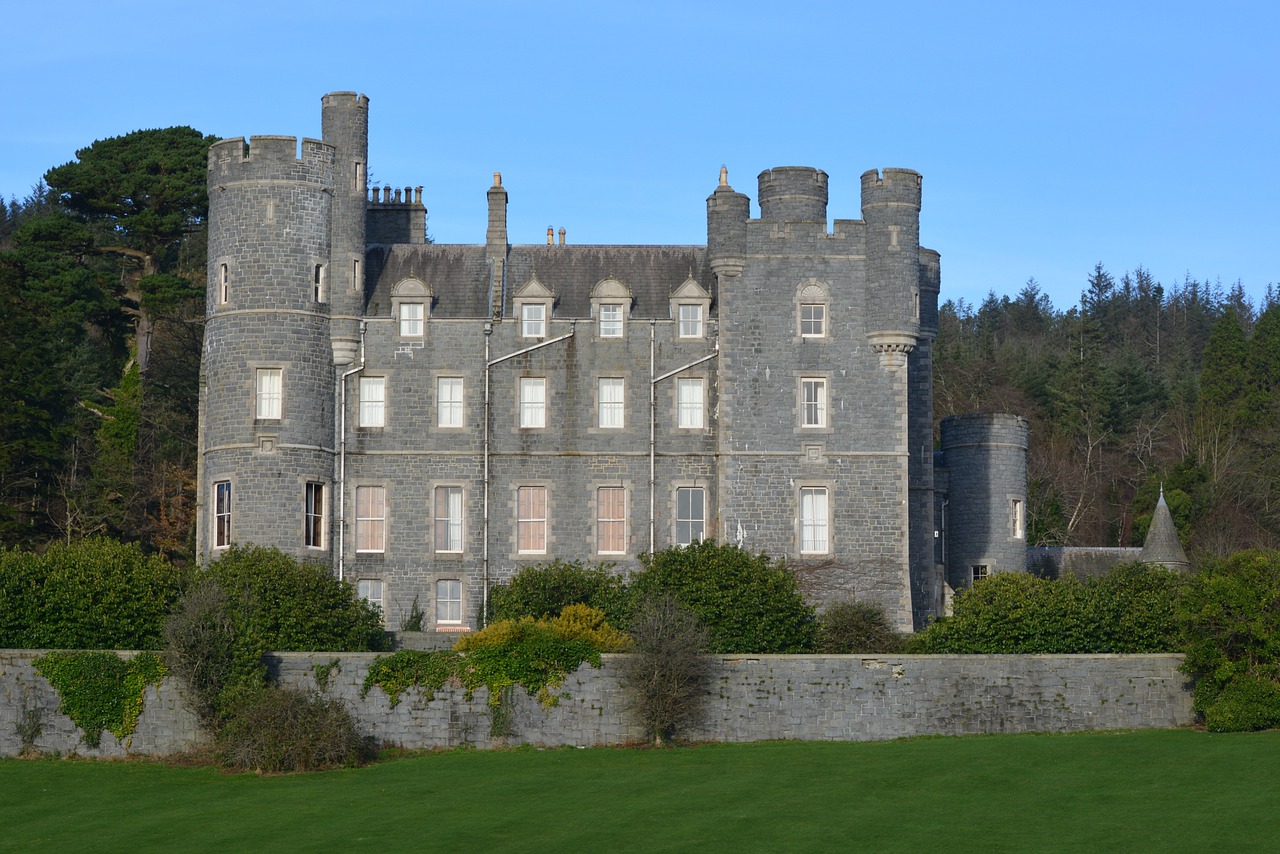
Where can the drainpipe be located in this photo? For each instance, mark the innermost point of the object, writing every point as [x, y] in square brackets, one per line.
[342, 459]
[653, 419]
[488, 365]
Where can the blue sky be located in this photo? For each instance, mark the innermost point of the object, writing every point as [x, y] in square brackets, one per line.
[1051, 136]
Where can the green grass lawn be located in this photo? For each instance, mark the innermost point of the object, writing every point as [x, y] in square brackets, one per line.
[1134, 791]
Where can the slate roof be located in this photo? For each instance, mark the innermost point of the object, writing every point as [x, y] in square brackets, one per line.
[1163, 546]
[459, 275]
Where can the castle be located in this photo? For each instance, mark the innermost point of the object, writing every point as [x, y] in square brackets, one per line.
[428, 419]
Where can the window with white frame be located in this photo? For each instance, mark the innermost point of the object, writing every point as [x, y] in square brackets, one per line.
[611, 520]
[412, 316]
[611, 404]
[813, 320]
[689, 403]
[533, 320]
[224, 284]
[813, 402]
[370, 590]
[691, 514]
[221, 514]
[449, 402]
[610, 320]
[978, 572]
[1017, 521]
[449, 601]
[690, 320]
[268, 398]
[448, 515]
[373, 402]
[371, 518]
[313, 516]
[814, 523]
[533, 402]
[531, 520]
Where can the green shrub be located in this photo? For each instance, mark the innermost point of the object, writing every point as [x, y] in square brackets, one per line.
[1230, 615]
[281, 730]
[857, 627]
[1131, 609]
[1246, 703]
[292, 605]
[668, 673]
[748, 603]
[545, 590]
[94, 594]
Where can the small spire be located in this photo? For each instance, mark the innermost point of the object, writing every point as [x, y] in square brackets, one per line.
[724, 176]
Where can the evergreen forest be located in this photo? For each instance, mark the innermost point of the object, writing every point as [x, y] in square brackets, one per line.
[1141, 385]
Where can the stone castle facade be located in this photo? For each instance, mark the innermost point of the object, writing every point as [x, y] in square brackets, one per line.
[428, 419]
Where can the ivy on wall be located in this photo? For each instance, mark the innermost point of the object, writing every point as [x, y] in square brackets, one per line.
[101, 691]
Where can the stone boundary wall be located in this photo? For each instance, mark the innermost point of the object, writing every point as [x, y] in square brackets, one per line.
[752, 698]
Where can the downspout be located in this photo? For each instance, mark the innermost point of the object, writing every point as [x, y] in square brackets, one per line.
[342, 459]
[653, 419]
[488, 365]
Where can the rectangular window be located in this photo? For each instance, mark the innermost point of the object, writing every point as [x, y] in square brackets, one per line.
[313, 516]
[611, 520]
[531, 520]
[221, 514]
[533, 320]
[813, 402]
[318, 283]
[224, 284]
[373, 401]
[411, 316]
[691, 321]
[449, 519]
[533, 402]
[690, 515]
[1016, 519]
[689, 404]
[813, 520]
[371, 519]
[978, 573]
[269, 383]
[611, 409]
[611, 321]
[813, 320]
[449, 601]
[449, 402]
[370, 590]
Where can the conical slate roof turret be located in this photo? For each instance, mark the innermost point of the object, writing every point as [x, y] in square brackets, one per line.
[1162, 547]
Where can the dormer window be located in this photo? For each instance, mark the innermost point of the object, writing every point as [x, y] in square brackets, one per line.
[533, 320]
[690, 306]
[611, 306]
[533, 301]
[411, 307]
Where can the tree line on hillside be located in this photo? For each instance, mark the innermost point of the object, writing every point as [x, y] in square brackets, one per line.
[1138, 387]
[102, 280]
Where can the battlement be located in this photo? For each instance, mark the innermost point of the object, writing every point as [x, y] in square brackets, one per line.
[891, 187]
[793, 194]
[271, 158]
[345, 100]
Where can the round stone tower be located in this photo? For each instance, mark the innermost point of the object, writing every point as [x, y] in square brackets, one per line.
[891, 210]
[266, 443]
[986, 459]
[793, 194]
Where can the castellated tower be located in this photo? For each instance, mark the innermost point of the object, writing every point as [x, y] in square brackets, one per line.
[267, 420]
[986, 456]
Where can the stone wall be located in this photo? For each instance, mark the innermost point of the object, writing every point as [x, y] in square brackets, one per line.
[819, 698]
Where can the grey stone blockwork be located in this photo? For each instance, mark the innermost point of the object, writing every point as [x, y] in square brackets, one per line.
[816, 698]
[803, 349]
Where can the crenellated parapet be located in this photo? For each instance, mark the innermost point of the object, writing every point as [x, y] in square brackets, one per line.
[793, 194]
[271, 158]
